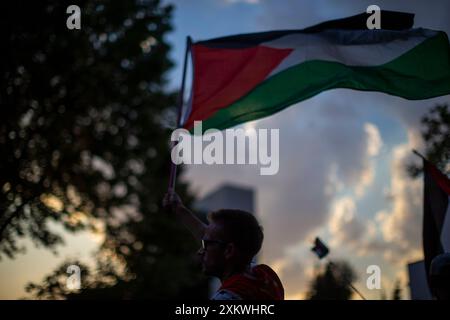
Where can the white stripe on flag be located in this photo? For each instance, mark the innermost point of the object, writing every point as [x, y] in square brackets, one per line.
[350, 47]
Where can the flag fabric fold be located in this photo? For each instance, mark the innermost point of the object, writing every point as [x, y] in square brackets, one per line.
[436, 213]
[251, 76]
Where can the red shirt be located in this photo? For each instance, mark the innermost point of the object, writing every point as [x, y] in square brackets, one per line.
[262, 283]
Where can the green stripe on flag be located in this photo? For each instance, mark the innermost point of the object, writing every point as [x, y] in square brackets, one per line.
[421, 73]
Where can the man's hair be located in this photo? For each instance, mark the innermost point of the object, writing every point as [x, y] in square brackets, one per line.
[241, 228]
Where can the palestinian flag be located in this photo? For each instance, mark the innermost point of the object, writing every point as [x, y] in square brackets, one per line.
[246, 77]
[436, 213]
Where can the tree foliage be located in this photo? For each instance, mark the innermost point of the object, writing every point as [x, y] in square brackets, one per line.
[397, 292]
[333, 282]
[436, 136]
[84, 143]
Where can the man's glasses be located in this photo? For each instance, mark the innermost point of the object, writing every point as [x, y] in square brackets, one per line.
[206, 242]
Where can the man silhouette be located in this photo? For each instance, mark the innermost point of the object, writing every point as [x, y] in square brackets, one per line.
[228, 244]
[440, 276]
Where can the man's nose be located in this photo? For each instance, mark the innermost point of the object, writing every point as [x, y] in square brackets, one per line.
[201, 251]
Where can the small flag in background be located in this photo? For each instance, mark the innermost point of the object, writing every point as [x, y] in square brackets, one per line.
[320, 249]
[436, 213]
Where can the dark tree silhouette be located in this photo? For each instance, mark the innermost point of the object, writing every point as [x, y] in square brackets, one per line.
[383, 295]
[84, 129]
[436, 135]
[397, 292]
[333, 282]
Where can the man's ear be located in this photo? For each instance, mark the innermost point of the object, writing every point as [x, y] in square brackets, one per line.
[230, 250]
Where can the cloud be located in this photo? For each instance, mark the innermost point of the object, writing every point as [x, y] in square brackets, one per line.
[331, 153]
[374, 144]
[401, 226]
[330, 144]
[325, 146]
[295, 276]
[345, 225]
[395, 232]
[299, 265]
[351, 232]
[244, 1]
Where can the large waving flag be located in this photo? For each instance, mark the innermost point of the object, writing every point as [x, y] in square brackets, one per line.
[436, 213]
[250, 76]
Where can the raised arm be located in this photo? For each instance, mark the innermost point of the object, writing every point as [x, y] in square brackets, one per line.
[173, 203]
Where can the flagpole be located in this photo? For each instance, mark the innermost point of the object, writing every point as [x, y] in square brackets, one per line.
[173, 166]
[356, 290]
[348, 281]
[418, 154]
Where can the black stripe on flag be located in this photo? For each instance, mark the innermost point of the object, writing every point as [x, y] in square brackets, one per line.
[436, 195]
[390, 20]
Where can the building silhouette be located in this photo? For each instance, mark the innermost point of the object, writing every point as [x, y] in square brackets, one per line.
[418, 284]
